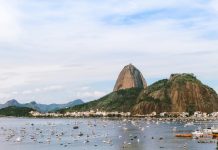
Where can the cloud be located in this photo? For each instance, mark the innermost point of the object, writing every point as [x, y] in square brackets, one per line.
[27, 92]
[4, 96]
[53, 88]
[214, 5]
[90, 95]
[79, 44]
[9, 24]
[15, 75]
[84, 88]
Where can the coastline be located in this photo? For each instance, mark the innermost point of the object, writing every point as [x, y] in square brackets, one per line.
[164, 119]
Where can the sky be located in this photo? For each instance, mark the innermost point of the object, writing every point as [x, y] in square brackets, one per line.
[55, 51]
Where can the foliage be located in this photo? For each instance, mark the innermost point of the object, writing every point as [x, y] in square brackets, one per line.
[121, 100]
[157, 85]
[150, 99]
[15, 111]
[191, 109]
[185, 77]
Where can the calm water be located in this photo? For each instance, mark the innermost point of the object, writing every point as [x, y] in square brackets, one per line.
[92, 134]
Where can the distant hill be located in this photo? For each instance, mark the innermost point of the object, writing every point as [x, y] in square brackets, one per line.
[180, 93]
[41, 107]
[122, 100]
[12, 102]
[15, 111]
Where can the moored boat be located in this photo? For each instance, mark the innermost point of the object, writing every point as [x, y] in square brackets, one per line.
[215, 132]
[197, 134]
[184, 135]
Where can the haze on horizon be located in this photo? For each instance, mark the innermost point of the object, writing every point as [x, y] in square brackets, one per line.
[54, 51]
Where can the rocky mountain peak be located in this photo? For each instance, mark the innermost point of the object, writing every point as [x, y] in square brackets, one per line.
[33, 103]
[183, 76]
[130, 77]
[12, 102]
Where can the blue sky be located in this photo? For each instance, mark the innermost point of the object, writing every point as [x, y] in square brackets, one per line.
[54, 51]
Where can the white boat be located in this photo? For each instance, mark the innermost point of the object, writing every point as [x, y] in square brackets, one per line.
[125, 128]
[18, 139]
[214, 131]
[189, 124]
[174, 129]
[207, 131]
[197, 134]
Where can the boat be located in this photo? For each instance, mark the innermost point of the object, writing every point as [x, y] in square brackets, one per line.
[215, 132]
[184, 135]
[189, 124]
[174, 129]
[125, 128]
[18, 139]
[197, 134]
[75, 127]
[207, 131]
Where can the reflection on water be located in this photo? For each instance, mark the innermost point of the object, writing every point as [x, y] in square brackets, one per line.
[92, 134]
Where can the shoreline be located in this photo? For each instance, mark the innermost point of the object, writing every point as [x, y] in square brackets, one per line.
[170, 119]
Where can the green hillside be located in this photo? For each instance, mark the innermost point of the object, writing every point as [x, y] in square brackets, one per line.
[121, 101]
[176, 94]
[15, 111]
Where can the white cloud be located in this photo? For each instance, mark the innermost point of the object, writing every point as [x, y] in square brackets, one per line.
[90, 95]
[9, 24]
[53, 88]
[214, 5]
[15, 92]
[16, 75]
[73, 45]
[37, 90]
[84, 88]
[27, 92]
[4, 96]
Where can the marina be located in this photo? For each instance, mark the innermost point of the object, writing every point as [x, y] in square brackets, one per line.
[102, 133]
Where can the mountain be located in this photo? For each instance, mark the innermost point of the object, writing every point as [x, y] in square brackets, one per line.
[12, 102]
[15, 111]
[121, 101]
[130, 77]
[180, 93]
[41, 107]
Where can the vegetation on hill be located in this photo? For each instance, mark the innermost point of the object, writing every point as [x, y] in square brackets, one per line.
[121, 101]
[184, 77]
[157, 85]
[179, 93]
[41, 107]
[15, 111]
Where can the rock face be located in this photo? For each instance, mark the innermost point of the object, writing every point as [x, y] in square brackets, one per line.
[181, 93]
[130, 77]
